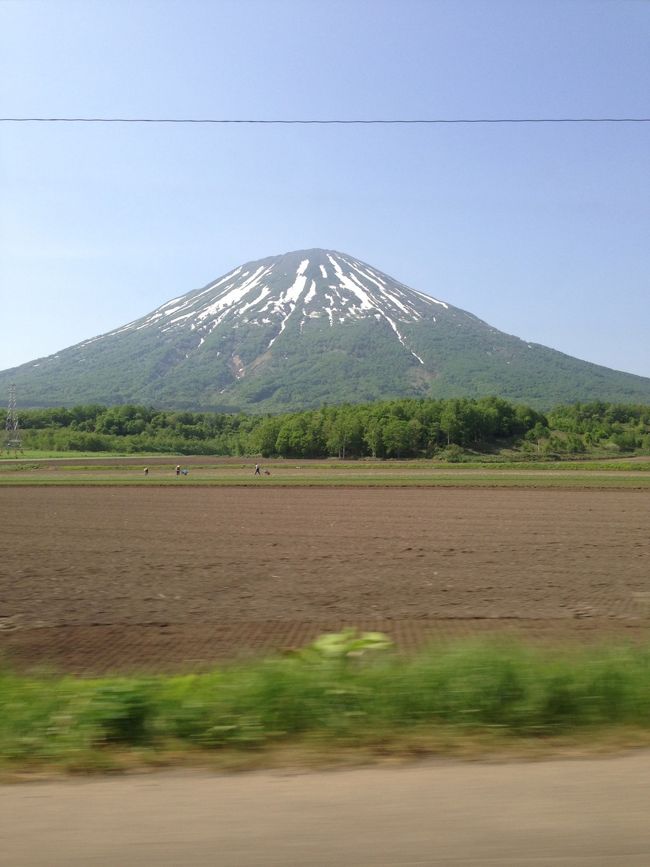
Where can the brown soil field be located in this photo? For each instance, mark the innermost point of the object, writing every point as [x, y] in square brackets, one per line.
[106, 579]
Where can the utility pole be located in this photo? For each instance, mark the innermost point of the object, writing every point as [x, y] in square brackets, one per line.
[12, 431]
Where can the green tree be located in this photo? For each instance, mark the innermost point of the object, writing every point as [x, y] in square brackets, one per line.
[396, 437]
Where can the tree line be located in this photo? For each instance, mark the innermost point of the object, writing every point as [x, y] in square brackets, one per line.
[401, 428]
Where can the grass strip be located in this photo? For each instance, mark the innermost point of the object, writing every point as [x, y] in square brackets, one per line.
[134, 463]
[378, 701]
[572, 482]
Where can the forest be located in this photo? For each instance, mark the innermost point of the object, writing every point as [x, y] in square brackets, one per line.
[401, 428]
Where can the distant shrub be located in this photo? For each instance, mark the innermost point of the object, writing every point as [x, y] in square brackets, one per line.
[452, 454]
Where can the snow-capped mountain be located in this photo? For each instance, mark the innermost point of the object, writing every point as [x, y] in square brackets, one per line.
[304, 328]
[298, 288]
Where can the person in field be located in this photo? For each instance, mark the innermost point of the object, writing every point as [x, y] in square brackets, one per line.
[257, 470]
[178, 469]
[146, 471]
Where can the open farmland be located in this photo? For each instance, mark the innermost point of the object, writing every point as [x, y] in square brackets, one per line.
[630, 473]
[97, 578]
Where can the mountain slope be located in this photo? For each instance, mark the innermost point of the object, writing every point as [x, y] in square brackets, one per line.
[308, 327]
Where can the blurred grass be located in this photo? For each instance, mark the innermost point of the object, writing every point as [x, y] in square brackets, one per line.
[470, 691]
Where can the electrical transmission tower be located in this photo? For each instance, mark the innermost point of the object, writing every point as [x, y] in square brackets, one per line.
[12, 431]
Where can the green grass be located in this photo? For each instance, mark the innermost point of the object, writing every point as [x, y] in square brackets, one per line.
[594, 474]
[487, 480]
[381, 703]
[495, 462]
[50, 454]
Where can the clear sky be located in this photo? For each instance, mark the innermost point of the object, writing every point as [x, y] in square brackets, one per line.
[541, 230]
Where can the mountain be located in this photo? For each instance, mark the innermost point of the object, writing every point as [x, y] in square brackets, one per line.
[306, 328]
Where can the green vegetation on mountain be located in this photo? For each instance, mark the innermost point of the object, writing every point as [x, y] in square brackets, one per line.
[293, 332]
[406, 428]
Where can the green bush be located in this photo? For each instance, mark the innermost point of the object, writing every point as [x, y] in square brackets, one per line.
[122, 712]
[345, 687]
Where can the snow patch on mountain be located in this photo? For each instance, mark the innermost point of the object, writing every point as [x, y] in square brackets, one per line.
[311, 286]
[349, 282]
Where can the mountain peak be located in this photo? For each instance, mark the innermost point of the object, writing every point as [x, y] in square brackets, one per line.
[299, 288]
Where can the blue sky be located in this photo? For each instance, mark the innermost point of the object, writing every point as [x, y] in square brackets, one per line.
[540, 230]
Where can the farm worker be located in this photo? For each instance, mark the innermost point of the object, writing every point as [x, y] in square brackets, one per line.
[178, 470]
[146, 471]
[257, 470]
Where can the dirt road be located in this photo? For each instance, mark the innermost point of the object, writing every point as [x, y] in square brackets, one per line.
[569, 813]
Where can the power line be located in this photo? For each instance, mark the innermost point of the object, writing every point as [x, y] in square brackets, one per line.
[359, 121]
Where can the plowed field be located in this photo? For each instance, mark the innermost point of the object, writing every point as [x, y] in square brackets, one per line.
[118, 578]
